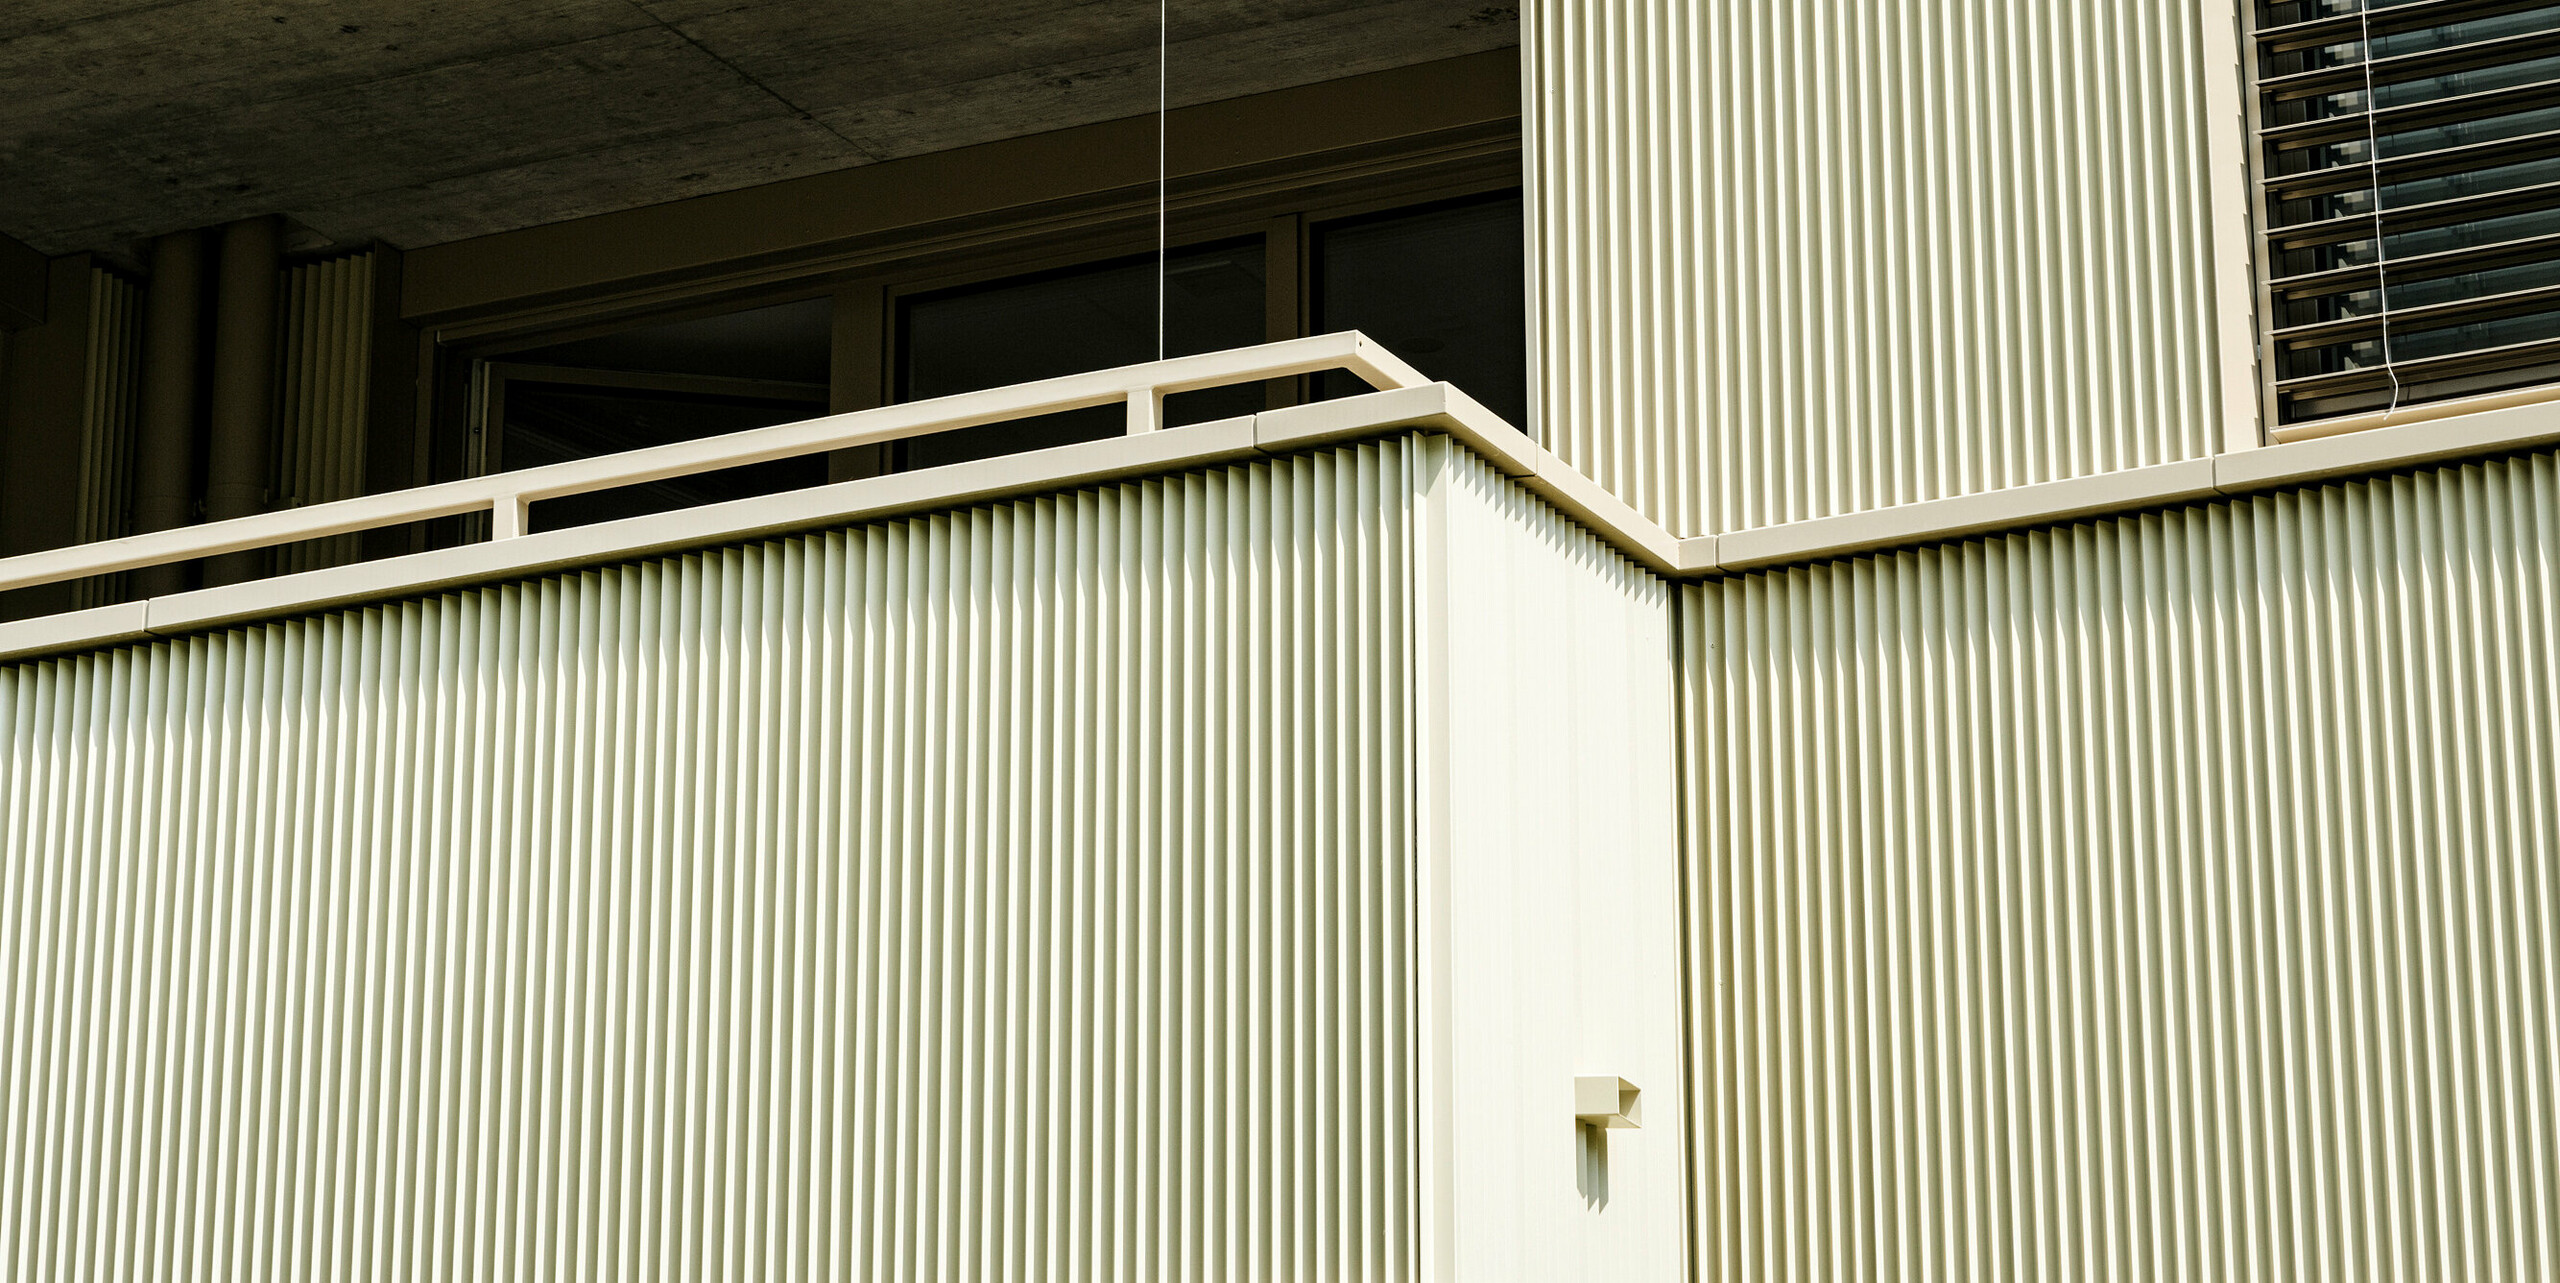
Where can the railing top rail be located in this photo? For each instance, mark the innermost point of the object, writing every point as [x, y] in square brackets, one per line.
[506, 495]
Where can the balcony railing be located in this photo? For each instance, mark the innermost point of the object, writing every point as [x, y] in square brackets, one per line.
[1405, 399]
[507, 496]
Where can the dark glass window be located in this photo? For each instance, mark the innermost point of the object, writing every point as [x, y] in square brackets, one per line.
[1071, 321]
[1443, 286]
[657, 384]
[553, 423]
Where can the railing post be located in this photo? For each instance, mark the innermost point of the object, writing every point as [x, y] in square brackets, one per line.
[507, 516]
[1146, 409]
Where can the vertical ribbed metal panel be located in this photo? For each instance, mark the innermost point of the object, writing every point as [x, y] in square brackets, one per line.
[1015, 893]
[105, 509]
[320, 401]
[1791, 260]
[2169, 896]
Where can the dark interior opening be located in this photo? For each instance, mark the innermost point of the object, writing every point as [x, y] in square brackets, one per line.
[687, 379]
[1067, 322]
[1443, 286]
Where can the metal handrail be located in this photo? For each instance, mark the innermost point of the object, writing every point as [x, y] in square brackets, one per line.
[506, 496]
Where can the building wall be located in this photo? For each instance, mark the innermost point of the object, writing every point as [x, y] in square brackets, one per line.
[2169, 895]
[1558, 879]
[1021, 891]
[1794, 260]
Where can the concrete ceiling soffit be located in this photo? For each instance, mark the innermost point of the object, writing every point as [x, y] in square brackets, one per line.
[418, 124]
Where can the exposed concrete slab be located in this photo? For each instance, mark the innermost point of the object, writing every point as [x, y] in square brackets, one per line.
[590, 98]
[415, 124]
[220, 51]
[809, 214]
[544, 190]
[1244, 50]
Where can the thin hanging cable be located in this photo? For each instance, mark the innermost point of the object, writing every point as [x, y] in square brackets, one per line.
[2373, 175]
[1163, 62]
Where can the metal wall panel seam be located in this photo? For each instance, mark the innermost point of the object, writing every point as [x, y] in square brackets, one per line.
[2228, 233]
[1437, 1247]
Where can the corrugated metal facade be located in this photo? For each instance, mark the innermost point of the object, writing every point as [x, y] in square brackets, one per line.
[110, 402]
[2170, 896]
[321, 396]
[1561, 887]
[1021, 892]
[1794, 260]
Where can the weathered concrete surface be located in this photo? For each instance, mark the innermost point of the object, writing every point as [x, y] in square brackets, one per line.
[422, 123]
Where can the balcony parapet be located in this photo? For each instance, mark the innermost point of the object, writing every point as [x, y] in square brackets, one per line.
[1405, 400]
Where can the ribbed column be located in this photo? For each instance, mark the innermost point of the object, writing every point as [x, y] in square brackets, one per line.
[107, 421]
[326, 378]
[240, 443]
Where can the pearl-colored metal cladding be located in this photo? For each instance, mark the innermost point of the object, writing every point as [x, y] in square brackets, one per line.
[1795, 260]
[1017, 891]
[2172, 894]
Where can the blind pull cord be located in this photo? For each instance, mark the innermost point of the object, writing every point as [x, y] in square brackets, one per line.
[1163, 62]
[2373, 176]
